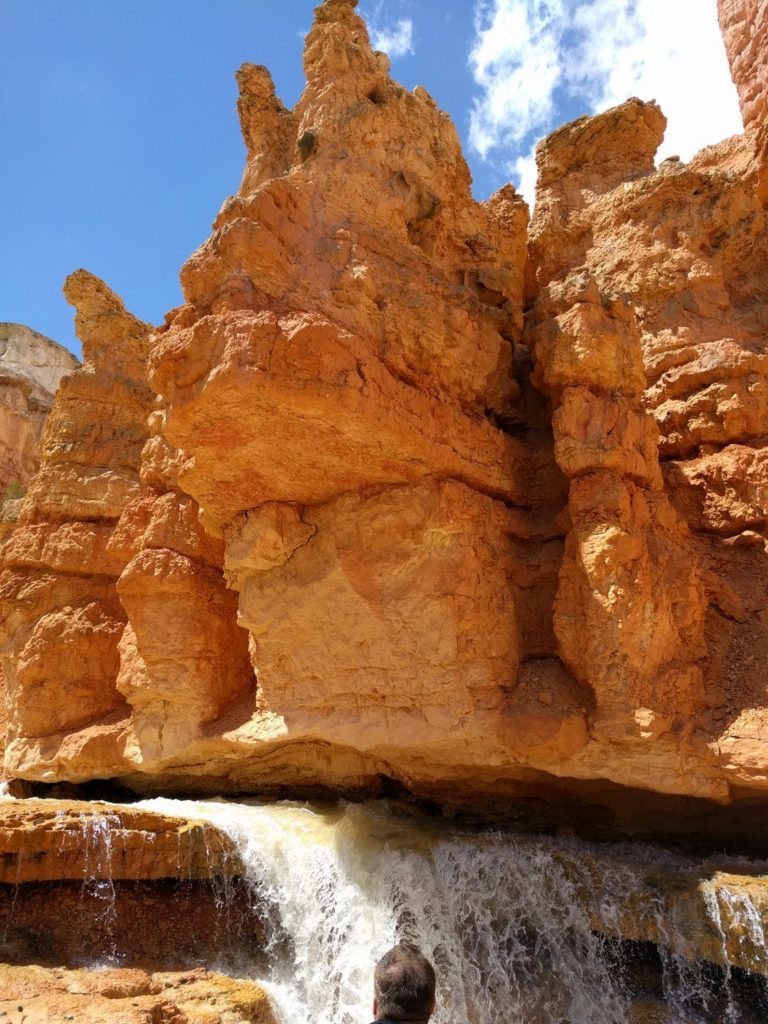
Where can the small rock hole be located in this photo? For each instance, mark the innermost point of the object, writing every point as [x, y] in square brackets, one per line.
[307, 144]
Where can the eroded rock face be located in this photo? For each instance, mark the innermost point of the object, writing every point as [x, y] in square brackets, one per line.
[744, 24]
[405, 491]
[344, 384]
[686, 245]
[61, 619]
[31, 368]
[183, 658]
[58, 840]
[105, 550]
[125, 996]
[629, 610]
[373, 338]
[342, 371]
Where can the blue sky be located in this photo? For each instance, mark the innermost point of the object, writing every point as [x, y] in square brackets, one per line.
[121, 141]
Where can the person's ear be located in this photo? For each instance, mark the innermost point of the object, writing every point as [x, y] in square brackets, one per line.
[375, 1007]
[434, 1007]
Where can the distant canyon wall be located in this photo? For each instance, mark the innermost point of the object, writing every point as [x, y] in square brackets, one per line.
[31, 367]
[410, 491]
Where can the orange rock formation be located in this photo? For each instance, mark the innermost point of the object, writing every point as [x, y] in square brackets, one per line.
[125, 996]
[406, 489]
[55, 840]
[744, 24]
[31, 367]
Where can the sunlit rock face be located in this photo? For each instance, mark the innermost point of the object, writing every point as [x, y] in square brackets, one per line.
[406, 491]
[744, 24]
[665, 571]
[61, 618]
[68, 840]
[114, 605]
[130, 996]
[31, 367]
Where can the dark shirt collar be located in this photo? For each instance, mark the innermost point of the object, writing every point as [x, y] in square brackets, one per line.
[389, 1020]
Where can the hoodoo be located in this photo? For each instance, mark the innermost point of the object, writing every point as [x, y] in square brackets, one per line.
[417, 498]
[408, 493]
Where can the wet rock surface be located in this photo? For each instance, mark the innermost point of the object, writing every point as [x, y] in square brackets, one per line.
[555, 924]
[45, 840]
[160, 925]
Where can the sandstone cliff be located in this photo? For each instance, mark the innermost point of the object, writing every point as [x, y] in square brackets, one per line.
[31, 368]
[409, 493]
[744, 24]
[61, 617]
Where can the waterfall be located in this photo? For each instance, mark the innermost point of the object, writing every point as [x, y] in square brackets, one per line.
[521, 929]
[97, 886]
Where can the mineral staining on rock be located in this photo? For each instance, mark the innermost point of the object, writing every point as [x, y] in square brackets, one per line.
[408, 489]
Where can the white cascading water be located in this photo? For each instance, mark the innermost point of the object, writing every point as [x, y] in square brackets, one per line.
[98, 889]
[504, 918]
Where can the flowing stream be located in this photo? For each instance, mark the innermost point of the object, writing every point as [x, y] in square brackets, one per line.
[521, 929]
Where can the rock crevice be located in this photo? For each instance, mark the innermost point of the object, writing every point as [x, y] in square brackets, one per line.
[409, 487]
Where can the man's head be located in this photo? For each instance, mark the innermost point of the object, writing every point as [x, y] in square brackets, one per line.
[404, 985]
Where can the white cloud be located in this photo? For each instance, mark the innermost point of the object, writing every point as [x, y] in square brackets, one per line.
[523, 169]
[516, 62]
[535, 60]
[395, 39]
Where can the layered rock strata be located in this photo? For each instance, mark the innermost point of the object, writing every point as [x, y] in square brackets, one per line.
[31, 368]
[146, 890]
[105, 548]
[377, 343]
[61, 619]
[629, 609]
[405, 494]
[389, 404]
[688, 246]
[53, 840]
